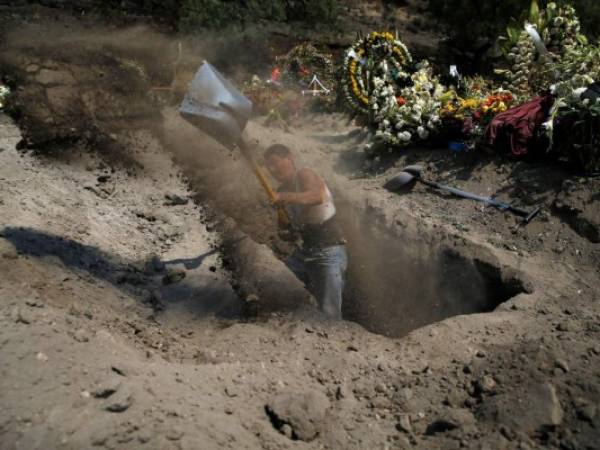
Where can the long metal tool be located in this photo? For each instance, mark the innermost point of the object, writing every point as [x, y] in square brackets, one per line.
[216, 107]
[411, 174]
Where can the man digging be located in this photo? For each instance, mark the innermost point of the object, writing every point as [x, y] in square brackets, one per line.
[321, 261]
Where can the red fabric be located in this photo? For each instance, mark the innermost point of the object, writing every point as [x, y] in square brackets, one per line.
[276, 74]
[518, 125]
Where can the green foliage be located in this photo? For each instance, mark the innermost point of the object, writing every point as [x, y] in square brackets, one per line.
[488, 19]
[197, 14]
[578, 136]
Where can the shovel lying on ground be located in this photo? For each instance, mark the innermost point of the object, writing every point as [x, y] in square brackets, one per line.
[411, 174]
[216, 107]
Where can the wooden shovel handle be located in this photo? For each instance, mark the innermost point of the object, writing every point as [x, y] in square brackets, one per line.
[282, 215]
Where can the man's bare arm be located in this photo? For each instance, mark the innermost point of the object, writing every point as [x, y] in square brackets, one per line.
[312, 190]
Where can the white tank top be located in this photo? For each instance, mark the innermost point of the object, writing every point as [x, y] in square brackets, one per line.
[315, 214]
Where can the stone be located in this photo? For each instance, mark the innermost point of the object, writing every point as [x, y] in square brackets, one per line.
[175, 200]
[537, 408]
[585, 409]
[485, 385]
[119, 402]
[32, 68]
[303, 412]
[231, 391]
[562, 364]
[106, 389]
[173, 276]
[34, 303]
[454, 398]
[81, 335]
[450, 419]
[174, 434]
[144, 436]
[20, 316]
[404, 423]
[287, 431]
[380, 388]
[569, 326]
[8, 250]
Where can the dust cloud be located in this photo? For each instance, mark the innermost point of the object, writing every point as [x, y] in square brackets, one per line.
[395, 283]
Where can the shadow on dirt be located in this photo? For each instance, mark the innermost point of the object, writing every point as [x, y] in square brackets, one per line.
[158, 284]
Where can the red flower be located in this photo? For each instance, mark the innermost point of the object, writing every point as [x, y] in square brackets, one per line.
[401, 101]
[276, 74]
[304, 71]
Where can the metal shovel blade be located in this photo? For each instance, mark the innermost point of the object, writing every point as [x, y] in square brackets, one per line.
[215, 106]
[414, 170]
[402, 180]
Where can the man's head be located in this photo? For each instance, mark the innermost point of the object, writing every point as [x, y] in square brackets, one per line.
[280, 162]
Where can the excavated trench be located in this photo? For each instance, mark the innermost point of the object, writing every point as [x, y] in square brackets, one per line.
[397, 280]
[400, 280]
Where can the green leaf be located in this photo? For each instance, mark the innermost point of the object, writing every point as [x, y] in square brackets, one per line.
[582, 39]
[513, 33]
[534, 12]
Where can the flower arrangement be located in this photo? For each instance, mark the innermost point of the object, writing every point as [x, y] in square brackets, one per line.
[473, 114]
[522, 56]
[264, 95]
[365, 58]
[532, 51]
[573, 128]
[302, 62]
[409, 115]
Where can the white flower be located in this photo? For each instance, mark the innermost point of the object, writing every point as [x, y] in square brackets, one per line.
[405, 136]
[422, 132]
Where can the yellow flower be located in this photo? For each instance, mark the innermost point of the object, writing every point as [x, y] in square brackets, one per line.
[470, 103]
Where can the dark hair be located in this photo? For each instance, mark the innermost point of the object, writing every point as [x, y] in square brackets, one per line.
[277, 150]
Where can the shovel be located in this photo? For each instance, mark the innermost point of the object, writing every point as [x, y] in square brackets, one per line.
[412, 174]
[217, 108]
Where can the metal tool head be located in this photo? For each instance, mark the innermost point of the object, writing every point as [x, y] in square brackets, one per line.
[414, 170]
[215, 106]
[402, 181]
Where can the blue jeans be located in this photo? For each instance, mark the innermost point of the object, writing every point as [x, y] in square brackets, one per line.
[323, 272]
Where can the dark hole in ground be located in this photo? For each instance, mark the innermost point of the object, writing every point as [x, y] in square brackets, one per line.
[400, 282]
